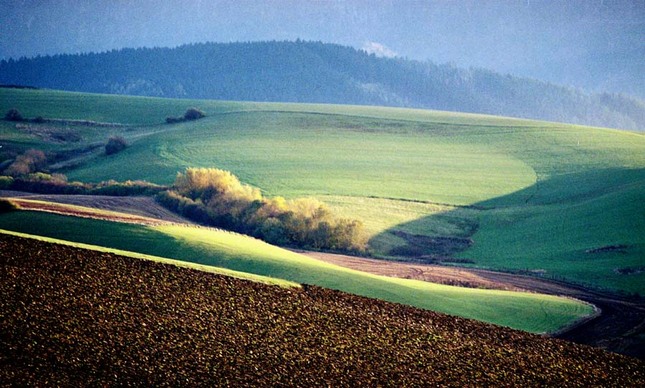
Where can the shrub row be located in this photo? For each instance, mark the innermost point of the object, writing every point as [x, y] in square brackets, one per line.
[14, 114]
[216, 197]
[57, 184]
[34, 160]
[191, 114]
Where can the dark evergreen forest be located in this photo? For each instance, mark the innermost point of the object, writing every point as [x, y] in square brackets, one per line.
[320, 73]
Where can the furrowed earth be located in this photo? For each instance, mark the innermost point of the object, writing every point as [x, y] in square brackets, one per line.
[618, 324]
[76, 317]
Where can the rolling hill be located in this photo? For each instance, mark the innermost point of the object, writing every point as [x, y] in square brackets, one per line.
[216, 248]
[76, 317]
[314, 72]
[548, 199]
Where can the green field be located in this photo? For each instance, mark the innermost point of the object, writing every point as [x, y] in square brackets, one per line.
[530, 196]
[179, 263]
[525, 311]
[559, 237]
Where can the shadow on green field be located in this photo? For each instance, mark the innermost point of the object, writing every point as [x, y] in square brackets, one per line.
[586, 228]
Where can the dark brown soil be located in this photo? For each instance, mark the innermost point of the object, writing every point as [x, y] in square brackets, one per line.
[72, 317]
[619, 327]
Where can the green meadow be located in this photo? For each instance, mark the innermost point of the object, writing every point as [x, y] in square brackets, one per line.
[239, 253]
[544, 198]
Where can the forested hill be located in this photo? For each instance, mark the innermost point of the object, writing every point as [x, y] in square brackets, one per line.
[317, 72]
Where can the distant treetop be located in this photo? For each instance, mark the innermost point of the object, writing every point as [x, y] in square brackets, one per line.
[13, 115]
[193, 114]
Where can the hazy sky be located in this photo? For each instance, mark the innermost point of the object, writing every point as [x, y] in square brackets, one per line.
[524, 37]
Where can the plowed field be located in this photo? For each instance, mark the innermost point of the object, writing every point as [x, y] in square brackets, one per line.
[75, 317]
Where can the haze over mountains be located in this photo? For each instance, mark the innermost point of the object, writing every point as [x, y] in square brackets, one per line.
[322, 73]
[597, 45]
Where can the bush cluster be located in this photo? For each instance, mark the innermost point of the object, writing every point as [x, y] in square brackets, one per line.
[13, 114]
[115, 144]
[5, 182]
[191, 114]
[30, 161]
[217, 197]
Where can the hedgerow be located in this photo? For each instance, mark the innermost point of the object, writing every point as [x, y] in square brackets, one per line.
[191, 114]
[45, 183]
[217, 197]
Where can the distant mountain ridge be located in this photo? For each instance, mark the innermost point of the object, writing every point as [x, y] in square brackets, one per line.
[319, 73]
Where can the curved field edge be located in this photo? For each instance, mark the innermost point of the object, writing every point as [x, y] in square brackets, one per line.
[526, 311]
[538, 185]
[139, 110]
[178, 263]
[529, 312]
[74, 317]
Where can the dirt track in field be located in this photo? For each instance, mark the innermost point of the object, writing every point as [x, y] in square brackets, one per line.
[429, 273]
[619, 326]
[139, 210]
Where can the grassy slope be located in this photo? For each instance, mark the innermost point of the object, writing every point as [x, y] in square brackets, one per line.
[298, 154]
[549, 191]
[164, 260]
[149, 110]
[346, 150]
[530, 312]
[589, 194]
[557, 237]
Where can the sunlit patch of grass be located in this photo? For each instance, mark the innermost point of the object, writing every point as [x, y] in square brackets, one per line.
[412, 217]
[179, 263]
[243, 254]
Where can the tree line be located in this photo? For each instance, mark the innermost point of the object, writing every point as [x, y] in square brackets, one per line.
[318, 72]
[217, 197]
[46, 183]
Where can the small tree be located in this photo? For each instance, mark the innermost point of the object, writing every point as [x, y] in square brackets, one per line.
[193, 114]
[115, 144]
[14, 115]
